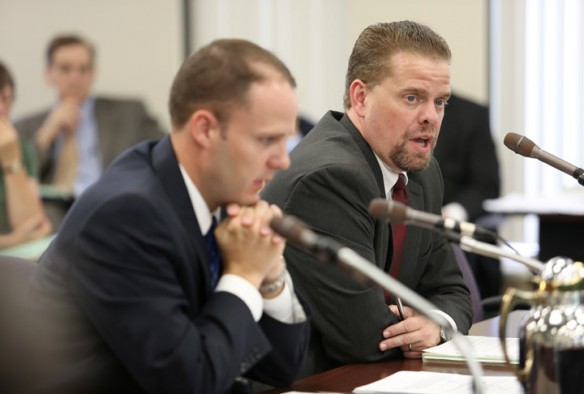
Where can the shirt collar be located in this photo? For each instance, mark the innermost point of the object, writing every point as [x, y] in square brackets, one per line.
[202, 212]
[85, 107]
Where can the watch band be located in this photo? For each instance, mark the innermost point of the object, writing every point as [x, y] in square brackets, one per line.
[275, 285]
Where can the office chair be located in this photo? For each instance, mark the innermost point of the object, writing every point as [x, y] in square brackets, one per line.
[15, 274]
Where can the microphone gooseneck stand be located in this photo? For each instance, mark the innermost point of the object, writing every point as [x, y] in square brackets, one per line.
[472, 245]
[329, 250]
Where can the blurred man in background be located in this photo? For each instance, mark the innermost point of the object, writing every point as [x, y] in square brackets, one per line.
[81, 134]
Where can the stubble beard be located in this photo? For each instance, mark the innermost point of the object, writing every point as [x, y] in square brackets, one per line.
[410, 162]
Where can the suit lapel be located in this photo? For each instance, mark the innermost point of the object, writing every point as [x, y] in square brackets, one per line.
[168, 172]
[366, 151]
[381, 244]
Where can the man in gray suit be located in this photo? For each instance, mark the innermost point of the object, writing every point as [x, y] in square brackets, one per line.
[397, 85]
[81, 134]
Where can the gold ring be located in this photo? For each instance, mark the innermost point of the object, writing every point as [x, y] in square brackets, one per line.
[410, 346]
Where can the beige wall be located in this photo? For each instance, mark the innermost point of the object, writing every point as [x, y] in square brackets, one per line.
[138, 46]
[462, 23]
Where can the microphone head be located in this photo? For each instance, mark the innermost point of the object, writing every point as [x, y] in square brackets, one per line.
[519, 144]
[287, 226]
[394, 211]
[294, 230]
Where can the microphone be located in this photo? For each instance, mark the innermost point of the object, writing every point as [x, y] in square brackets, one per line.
[396, 212]
[327, 249]
[299, 235]
[461, 233]
[525, 147]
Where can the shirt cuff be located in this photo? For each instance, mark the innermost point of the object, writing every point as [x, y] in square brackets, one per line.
[241, 288]
[447, 317]
[285, 307]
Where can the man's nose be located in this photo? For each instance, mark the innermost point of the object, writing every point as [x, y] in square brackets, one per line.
[430, 114]
[281, 161]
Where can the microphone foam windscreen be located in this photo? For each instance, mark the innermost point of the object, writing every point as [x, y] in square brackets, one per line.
[390, 210]
[519, 144]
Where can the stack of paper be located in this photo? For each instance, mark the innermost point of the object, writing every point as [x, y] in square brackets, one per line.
[411, 382]
[486, 350]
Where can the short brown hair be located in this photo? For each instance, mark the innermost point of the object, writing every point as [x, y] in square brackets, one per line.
[6, 78]
[67, 40]
[379, 42]
[218, 77]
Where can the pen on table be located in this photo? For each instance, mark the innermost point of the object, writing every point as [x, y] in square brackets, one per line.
[400, 308]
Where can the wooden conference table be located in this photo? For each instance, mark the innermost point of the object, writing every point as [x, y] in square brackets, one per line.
[344, 379]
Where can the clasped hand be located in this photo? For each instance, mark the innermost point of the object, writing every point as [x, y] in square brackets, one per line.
[249, 247]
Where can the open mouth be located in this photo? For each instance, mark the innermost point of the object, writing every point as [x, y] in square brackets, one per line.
[422, 142]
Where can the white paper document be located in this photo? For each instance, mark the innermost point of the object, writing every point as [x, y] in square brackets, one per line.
[486, 350]
[421, 382]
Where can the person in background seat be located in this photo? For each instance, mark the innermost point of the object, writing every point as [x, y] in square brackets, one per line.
[22, 217]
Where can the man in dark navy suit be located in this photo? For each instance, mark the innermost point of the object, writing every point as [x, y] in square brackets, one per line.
[126, 295]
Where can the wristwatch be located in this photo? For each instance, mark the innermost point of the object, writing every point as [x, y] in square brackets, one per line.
[13, 167]
[275, 285]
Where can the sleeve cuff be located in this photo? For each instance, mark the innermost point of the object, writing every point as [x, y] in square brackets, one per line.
[244, 290]
[285, 307]
[447, 317]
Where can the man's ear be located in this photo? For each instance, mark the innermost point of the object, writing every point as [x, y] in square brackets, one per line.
[202, 125]
[358, 94]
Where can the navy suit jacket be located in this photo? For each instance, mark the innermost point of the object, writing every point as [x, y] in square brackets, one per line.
[123, 295]
[333, 177]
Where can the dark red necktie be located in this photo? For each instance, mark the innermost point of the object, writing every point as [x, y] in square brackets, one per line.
[398, 231]
[399, 193]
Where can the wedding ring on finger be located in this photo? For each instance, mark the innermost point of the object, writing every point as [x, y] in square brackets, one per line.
[410, 347]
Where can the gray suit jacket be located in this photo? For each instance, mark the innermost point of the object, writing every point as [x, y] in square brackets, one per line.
[120, 124]
[332, 179]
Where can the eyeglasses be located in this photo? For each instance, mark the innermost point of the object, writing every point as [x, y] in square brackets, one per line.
[67, 69]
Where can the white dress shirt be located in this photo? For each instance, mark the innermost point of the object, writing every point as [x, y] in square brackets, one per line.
[285, 307]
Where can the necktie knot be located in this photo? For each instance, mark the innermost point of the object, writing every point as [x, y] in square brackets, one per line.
[399, 189]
